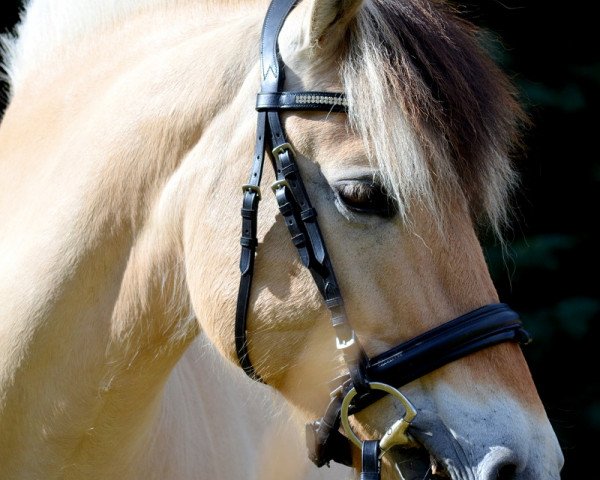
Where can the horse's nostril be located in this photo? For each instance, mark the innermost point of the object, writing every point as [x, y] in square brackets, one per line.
[507, 472]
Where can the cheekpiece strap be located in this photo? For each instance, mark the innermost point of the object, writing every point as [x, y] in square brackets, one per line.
[291, 195]
[370, 460]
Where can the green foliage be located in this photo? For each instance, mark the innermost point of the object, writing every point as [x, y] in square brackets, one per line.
[540, 252]
[568, 98]
[593, 414]
[568, 319]
[550, 271]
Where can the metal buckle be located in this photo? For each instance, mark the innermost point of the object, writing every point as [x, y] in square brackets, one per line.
[396, 434]
[343, 344]
[337, 384]
[282, 148]
[279, 184]
[247, 187]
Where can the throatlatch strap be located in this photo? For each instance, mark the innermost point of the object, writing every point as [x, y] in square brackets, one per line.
[271, 82]
[370, 460]
[249, 243]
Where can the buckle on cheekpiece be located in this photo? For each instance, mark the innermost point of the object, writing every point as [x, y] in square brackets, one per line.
[248, 187]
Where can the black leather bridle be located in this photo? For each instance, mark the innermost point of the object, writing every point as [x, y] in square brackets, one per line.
[481, 328]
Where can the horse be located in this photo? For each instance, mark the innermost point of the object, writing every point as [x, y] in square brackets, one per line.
[129, 131]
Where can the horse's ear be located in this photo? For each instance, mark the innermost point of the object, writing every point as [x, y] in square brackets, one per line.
[324, 23]
[329, 19]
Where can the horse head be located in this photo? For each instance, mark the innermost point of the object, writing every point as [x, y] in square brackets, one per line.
[121, 236]
[400, 185]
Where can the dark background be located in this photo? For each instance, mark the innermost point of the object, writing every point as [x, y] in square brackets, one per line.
[550, 275]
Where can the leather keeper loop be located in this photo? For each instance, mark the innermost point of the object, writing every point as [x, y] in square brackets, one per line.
[299, 240]
[248, 242]
[286, 209]
[357, 369]
[338, 317]
[334, 302]
[248, 213]
[289, 169]
[308, 214]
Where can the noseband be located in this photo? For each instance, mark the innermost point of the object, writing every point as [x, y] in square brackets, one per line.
[368, 379]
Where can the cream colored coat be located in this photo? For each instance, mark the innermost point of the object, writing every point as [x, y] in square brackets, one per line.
[127, 137]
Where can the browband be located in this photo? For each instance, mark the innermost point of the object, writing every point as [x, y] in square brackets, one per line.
[322, 101]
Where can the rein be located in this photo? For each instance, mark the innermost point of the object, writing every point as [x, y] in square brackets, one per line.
[368, 379]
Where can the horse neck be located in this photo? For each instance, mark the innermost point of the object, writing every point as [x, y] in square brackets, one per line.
[94, 304]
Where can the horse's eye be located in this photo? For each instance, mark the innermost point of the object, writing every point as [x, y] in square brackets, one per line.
[366, 197]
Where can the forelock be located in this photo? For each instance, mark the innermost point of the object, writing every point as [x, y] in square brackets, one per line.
[437, 115]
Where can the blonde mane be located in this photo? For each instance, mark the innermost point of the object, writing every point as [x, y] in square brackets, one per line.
[415, 65]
